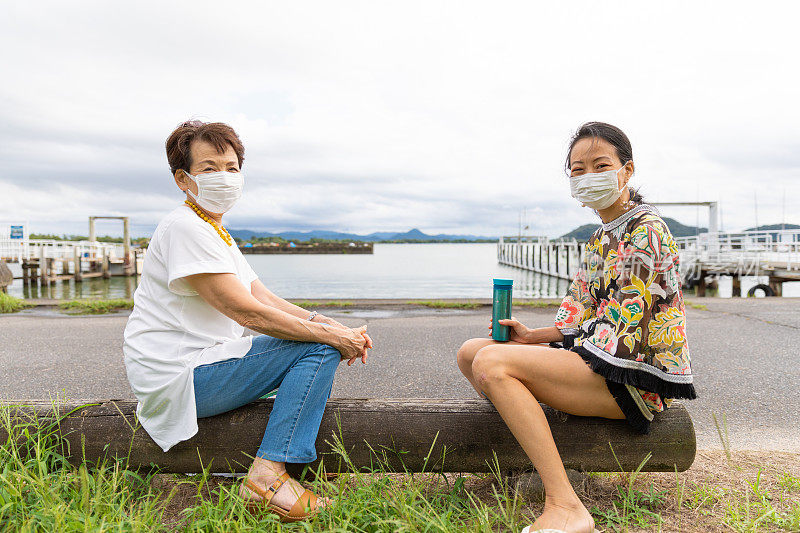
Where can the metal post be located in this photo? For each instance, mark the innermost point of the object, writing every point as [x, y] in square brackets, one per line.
[713, 217]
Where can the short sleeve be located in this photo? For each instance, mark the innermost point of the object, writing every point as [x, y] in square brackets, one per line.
[189, 249]
[249, 275]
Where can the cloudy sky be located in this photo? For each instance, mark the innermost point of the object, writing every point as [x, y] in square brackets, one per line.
[380, 116]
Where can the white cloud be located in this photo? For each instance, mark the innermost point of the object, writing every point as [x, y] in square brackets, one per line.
[362, 116]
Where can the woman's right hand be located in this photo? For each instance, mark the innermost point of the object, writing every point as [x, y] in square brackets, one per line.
[518, 332]
[353, 343]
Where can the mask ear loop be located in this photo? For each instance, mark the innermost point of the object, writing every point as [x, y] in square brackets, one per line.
[628, 204]
[188, 190]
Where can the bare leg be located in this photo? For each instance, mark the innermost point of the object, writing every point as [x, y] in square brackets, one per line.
[516, 378]
[466, 354]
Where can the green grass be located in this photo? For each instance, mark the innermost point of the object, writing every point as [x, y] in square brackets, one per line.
[439, 304]
[537, 304]
[41, 491]
[750, 508]
[789, 482]
[94, 307]
[10, 304]
[632, 506]
[702, 307]
[305, 304]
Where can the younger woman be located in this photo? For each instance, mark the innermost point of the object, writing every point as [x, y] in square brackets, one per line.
[621, 327]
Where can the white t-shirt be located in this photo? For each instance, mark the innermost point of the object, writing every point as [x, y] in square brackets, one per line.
[172, 330]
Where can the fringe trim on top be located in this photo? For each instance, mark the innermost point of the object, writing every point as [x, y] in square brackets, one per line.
[635, 377]
[627, 405]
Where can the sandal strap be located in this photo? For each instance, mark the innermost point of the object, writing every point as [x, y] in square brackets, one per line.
[305, 505]
[267, 495]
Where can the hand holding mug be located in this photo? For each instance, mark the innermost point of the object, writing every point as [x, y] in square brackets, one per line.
[518, 332]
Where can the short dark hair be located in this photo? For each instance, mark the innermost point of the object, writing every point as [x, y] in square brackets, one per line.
[218, 134]
[612, 135]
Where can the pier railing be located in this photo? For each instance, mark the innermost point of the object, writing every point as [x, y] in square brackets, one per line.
[17, 250]
[746, 253]
[770, 253]
[559, 258]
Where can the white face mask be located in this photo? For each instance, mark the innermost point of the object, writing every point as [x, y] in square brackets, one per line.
[598, 190]
[217, 191]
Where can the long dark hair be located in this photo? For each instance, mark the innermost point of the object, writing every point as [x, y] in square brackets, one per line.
[612, 135]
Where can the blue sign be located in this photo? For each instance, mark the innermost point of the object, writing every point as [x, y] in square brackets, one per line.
[17, 232]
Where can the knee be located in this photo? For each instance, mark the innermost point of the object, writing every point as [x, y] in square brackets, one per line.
[488, 367]
[330, 355]
[466, 354]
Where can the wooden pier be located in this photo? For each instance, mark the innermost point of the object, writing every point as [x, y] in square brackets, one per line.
[47, 270]
[774, 254]
[557, 258]
[45, 261]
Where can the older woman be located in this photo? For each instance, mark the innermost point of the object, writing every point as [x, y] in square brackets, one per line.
[185, 352]
[618, 346]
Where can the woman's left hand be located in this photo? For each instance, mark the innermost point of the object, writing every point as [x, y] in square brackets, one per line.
[331, 322]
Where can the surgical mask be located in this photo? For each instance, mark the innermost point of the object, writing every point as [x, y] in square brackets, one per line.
[598, 190]
[217, 191]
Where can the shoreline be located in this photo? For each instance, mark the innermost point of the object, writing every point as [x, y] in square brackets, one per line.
[423, 302]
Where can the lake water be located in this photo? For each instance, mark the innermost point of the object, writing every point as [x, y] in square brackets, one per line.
[409, 271]
[414, 271]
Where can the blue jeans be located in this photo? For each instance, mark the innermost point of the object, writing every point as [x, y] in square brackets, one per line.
[303, 374]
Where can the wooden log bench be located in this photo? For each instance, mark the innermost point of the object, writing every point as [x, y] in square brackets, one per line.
[451, 435]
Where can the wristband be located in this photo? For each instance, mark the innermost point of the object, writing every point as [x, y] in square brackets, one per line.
[312, 315]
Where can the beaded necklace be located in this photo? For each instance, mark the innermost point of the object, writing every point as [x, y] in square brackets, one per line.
[220, 230]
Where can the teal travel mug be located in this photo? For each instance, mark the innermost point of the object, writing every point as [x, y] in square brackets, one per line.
[501, 308]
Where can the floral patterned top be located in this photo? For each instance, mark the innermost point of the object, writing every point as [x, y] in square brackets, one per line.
[624, 314]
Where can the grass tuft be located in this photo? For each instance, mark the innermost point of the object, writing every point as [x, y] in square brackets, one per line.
[10, 304]
[440, 304]
[41, 491]
[305, 304]
[537, 304]
[94, 307]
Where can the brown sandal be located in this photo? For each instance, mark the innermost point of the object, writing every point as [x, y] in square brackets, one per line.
[305, 506]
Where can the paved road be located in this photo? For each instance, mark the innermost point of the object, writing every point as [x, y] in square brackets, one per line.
[744, 358]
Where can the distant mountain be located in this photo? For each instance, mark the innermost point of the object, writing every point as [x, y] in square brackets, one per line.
[301, 236]
[679, 230]
[772, 227]
[582, 233]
